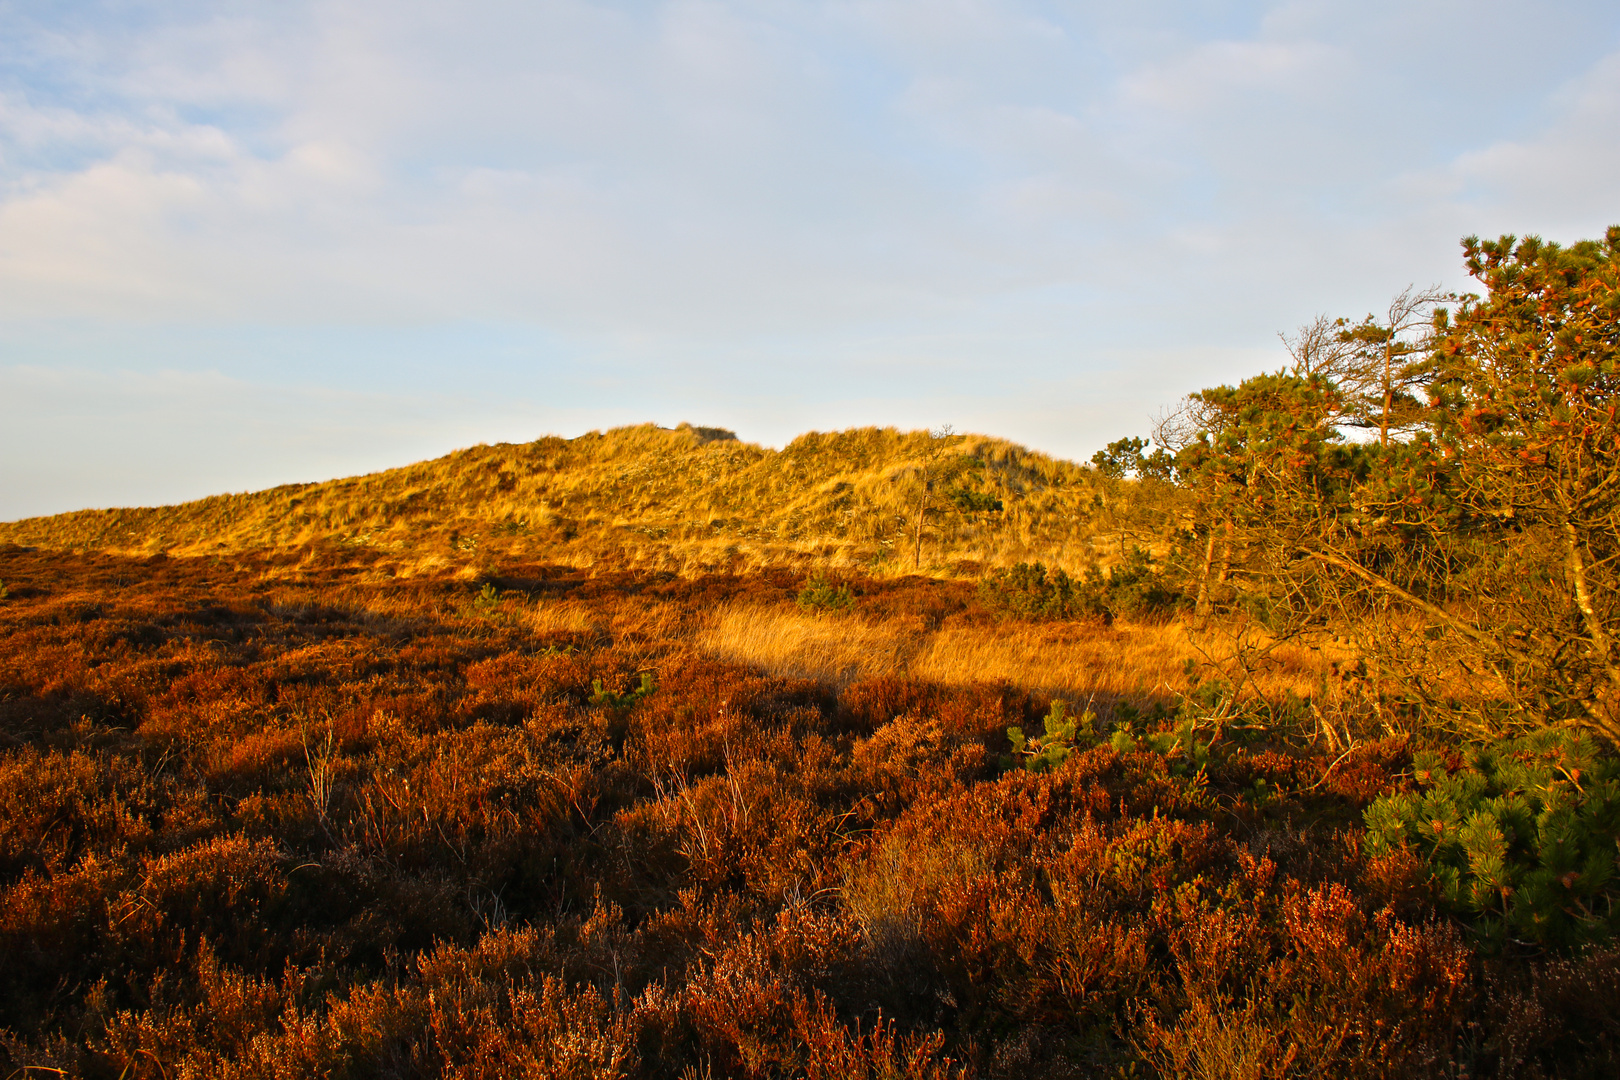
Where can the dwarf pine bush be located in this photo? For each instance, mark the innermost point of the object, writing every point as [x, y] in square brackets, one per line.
[1063, 733]
[1174, 736]
[1520, 836]
[614, 702]
[1030, 591]
[1133, 589]
[820, 595]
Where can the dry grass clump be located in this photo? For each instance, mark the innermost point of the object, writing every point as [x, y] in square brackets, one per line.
[834, 651]
[1077, 660]
[1081, 661]
[279, 816]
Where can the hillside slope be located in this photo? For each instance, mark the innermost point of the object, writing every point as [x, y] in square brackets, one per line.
[686, 497]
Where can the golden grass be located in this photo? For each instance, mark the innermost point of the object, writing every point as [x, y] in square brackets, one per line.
[1136, 661]
[1073, 659]
[567, 617]
[832, 650]
[681, 500]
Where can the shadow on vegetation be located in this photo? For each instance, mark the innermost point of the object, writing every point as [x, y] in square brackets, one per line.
[280, 817]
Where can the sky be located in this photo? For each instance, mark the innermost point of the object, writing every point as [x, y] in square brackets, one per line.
[244, 244]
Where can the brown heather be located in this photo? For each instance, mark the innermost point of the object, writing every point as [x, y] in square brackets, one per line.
[329, 791]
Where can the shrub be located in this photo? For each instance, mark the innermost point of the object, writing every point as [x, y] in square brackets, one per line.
[1131, 590]
[820, 595]
[1179, 746]
[1520, 836]
[725, 872]
[1048, 751]
[1029, 591]
[613, 702]
[969, 501]
[1173, 736]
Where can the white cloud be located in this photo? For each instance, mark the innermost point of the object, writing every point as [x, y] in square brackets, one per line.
[1566, 176]
[1209, 77]
[1009, 198]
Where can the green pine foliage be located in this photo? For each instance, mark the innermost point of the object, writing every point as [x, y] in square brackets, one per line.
[1174, 735]
[1124, 457]
[1133, 589]
[613, 702]
[821, 595]
[1064, 733]
[1520, 836]
[1030, 591]
[969, 501]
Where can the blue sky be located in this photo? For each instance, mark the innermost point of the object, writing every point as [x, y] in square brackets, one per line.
[250, 243]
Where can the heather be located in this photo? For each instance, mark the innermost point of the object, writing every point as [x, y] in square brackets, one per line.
[284, 815]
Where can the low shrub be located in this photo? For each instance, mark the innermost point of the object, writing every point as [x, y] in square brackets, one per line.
[499, 859]
[821, 595]
[1520, 836]
[614, 702]
[1177, 743]
[1131, 590]
[1030, 591]
[1043, 752]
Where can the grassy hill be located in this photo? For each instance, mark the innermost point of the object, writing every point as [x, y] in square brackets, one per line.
[687, 498]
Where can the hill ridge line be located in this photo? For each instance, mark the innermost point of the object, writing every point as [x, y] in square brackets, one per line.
[682, 498]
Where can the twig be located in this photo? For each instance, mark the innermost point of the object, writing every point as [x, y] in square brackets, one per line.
[1328, 770]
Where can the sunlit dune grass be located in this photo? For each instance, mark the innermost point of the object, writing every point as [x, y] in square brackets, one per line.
[568, 617]
[837, 651]
[1077, 660]
[687, 500]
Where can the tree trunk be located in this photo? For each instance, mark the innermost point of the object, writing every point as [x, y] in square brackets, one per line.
[922, 511]
[1601, 711]
[1389, 390]
[1201, 605]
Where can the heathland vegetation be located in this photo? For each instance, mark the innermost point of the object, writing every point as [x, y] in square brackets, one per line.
[1281, 745]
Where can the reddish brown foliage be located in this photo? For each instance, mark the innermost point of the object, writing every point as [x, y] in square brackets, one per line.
[276, 819]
